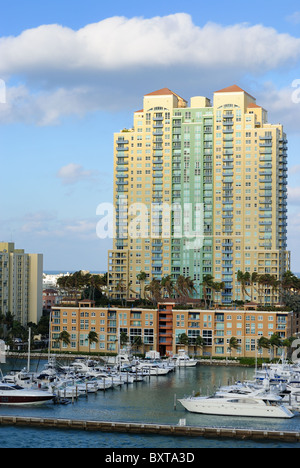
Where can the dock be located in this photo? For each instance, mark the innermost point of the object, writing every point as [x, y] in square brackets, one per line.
[180, 430]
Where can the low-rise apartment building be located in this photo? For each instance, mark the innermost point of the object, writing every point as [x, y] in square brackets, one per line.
[161, 329]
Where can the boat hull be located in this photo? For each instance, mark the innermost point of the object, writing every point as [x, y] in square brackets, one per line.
[211, 407]
[186, 363]
[24, 400]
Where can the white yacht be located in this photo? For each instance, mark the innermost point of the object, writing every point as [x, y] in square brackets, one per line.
[152, 368]
[184, 361]
[14, 395]
[80, 365]
[241, 405]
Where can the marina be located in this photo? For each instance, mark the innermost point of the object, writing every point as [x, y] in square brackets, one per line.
[147, 409]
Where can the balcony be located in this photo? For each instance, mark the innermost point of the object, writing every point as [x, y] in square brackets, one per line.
[121, 148]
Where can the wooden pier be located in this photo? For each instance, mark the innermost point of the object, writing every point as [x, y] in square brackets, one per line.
[155, 429]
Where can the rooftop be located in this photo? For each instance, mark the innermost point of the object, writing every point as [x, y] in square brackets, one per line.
[234, 89]
[164, 92]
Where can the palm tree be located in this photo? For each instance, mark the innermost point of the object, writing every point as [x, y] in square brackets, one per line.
[233, 344]
[267, 283]
[93, 338]
[184, 288]
[64, 337]
[253, 280]
[290, 282]
[123, 339]
[154, 290]
[6, 323]
[183, 340]
[190, 286]
[199, 343]
[217, 288]
[244, 279]
[263, 343]
[94, 283]
[207, 285]
[167, 286]
[276, 286]
[275, 342]
[181, 287]
[121, 288]
[128, 291]
[137, 342]
[141, 277]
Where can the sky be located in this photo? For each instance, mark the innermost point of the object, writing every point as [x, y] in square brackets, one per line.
[73, 72]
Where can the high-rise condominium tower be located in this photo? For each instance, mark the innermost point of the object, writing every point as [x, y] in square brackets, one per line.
[200, 190]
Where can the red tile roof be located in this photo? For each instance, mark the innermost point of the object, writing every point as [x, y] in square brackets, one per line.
[164, 92]
[234, 89]
[254, 106]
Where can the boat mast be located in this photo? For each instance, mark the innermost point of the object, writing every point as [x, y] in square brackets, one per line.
[29, 345]
[49, 346]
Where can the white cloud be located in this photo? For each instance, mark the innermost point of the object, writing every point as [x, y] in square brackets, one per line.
[294, 195]
[73, 173]
[118, 42]
[294, 169]
[36, 222]
[103, 65]
[46, 107]
[48, 225]
[294, 18]
[281, 105]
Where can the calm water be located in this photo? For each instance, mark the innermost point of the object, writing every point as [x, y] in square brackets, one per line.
[151, 402]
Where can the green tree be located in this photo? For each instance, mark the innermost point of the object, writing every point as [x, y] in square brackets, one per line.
[207, 286]
[123, 339]
[141, 277]
[92, 338]
[263, 343]
[153, 291]
[64, 337]
[137, 343]
[245, 280]
[183, 340]
[275, 342]
[233, 344]
[167, 286]
[199, 343]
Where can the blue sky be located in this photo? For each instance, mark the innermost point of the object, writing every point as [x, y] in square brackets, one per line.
[74, 73]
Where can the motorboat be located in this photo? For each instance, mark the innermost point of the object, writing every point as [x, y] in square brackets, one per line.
[183, 360]
[152, 368]
[109, 378]
[79, 366]
[11, 394]
[21, 378]
[248, 404]
[49, 372]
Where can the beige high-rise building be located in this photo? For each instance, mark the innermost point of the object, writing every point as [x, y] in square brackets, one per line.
[226, 161]
[21, 283]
